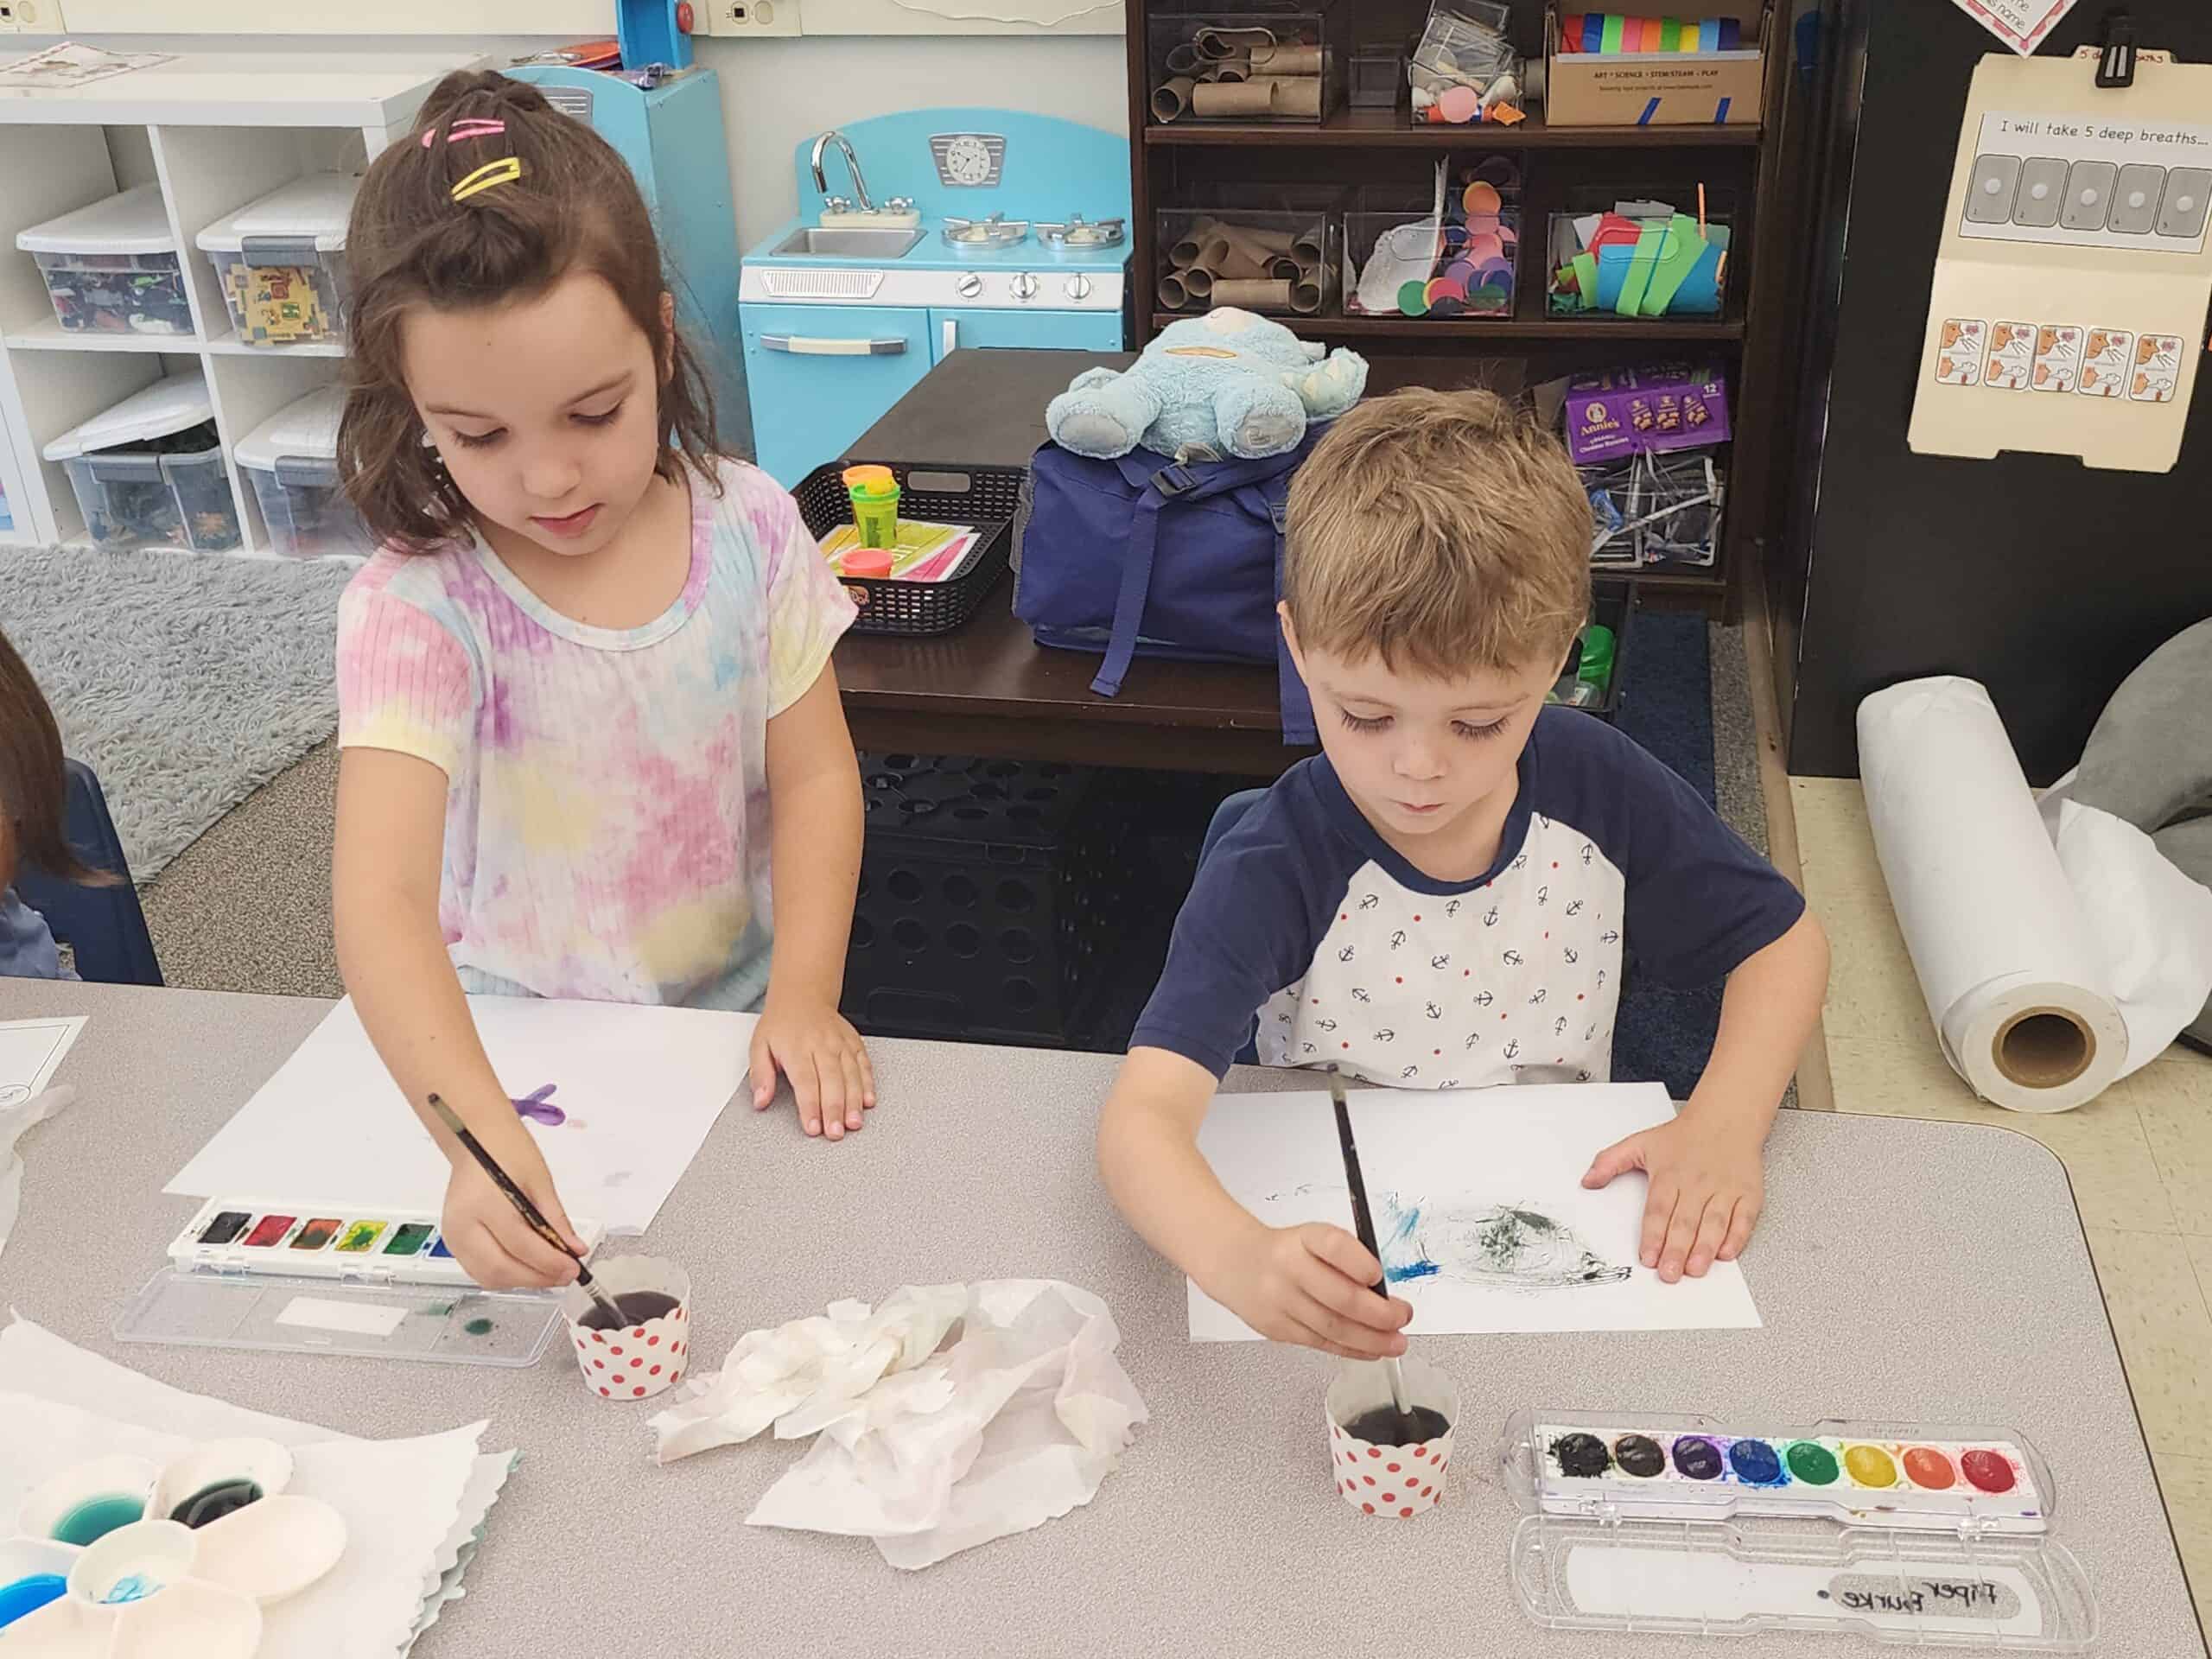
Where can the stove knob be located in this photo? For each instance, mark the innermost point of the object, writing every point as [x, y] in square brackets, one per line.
[1079, 287]
[1025, 286]
[969, 286]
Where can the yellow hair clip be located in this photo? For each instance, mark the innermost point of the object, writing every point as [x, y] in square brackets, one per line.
[506, 168]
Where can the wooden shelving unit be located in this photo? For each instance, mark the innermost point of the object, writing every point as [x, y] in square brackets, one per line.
[215, 131]
[1189, 162]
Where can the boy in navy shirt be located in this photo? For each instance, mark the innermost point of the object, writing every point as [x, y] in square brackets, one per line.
[1440, 899]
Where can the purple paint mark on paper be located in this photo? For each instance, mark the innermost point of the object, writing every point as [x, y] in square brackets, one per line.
[538, 1106]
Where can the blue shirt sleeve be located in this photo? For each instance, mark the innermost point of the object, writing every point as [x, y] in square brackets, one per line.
[26, 947]
[1698, 899]
[1249, 927]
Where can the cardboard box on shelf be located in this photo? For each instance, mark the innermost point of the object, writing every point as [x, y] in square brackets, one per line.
[1636, 89]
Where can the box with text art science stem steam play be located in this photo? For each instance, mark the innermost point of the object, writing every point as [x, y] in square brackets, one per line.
[1652, 75]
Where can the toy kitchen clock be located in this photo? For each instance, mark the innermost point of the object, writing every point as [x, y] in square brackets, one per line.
[919, 234]
[2068, 314]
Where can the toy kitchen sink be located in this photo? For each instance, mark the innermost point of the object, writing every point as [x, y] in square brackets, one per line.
[922, 234]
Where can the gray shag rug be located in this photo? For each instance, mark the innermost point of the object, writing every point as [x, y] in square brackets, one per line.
[186, 681]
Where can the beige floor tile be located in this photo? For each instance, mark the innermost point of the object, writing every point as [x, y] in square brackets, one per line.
[2159, 1313]
[2186, 1483]
[2173, 1096]
[2200, 1255]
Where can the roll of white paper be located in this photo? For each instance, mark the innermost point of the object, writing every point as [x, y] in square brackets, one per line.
[2011, 969]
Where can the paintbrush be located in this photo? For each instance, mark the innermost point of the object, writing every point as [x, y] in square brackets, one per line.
[1362, 1221]
[528, 1210]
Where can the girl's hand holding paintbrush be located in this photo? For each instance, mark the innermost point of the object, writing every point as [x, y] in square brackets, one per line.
[499, 1248]
[1312, 1285]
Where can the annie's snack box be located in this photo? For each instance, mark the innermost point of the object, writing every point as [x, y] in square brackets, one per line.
[1623, 412]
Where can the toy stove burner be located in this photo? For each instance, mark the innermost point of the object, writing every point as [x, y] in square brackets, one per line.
[1079, 235]
[982, 235]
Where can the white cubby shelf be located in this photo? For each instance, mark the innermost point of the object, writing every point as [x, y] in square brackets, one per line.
[215, 131]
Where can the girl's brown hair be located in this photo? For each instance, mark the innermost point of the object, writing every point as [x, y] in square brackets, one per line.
[34, 784]
[574, 206]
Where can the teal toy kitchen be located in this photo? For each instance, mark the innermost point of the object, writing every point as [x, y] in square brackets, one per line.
[919, 234]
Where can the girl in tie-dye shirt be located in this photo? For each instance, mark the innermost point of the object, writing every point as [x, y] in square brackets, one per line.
[593, 746]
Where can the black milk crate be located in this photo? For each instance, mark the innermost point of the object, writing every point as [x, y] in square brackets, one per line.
[990, 894]
[986, 497]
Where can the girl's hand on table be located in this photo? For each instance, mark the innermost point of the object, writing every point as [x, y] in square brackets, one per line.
[815, 1046]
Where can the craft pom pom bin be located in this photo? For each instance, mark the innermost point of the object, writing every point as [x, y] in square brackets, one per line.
[112, 268]
[281, 262]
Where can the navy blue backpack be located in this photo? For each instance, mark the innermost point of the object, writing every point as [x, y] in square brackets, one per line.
[1146, 556]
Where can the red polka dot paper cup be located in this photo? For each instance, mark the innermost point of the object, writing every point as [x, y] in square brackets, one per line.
[1380, 1479]
[640, 1360]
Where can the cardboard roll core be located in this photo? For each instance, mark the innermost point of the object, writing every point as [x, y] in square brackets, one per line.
[2043, 1048]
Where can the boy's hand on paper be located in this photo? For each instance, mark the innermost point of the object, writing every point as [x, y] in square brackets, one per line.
[1707, 1190]
[813, 1045]
[1310, 1284]
[482, 1228]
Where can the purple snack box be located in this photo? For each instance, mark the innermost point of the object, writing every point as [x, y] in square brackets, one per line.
[1623, 411]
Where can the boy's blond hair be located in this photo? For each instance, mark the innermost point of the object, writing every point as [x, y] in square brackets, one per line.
[1442, 530]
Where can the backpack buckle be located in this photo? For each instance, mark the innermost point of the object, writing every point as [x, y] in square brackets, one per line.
[1174, 479]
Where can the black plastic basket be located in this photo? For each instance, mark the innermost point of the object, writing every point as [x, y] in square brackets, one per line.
[991, 894]
[985, 497]
[1616, 600]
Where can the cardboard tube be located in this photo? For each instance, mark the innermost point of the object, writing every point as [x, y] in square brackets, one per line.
[1228, 72]
[1214, 250]
[1271, 95]
[1309, 245]
[1305, 295]
[1199, 282]
[1170, 98]
[1283, 268]
[1183, 59]
[1233, 43]
[1286, 60]
[1174, 291]
[1244, 263]
[1185, 252]
[1253, 295]
[1262, 236]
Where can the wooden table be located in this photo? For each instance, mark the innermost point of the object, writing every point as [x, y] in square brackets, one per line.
[1906, 1271]
[987, 687]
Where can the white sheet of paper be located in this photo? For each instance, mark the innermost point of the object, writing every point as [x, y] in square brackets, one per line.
[1482, 1188]
[319, 1313]
[31, 1051]
[641, 1087]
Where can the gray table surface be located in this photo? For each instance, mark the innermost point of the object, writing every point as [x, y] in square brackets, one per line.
[1906, 1270]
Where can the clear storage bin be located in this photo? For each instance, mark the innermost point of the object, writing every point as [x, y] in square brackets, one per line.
[1272, 66]
[113, 268]
[150, 471]
[1634, 258]
[281, 262]
[291, 459]
[1283, 263]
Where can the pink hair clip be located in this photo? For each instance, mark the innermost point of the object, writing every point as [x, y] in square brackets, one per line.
[474, 126]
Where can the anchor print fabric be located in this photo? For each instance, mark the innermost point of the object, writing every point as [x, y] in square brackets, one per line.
[1354, 960]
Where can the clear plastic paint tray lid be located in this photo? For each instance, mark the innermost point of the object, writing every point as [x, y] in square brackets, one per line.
[1614, 1468]
[2020, 1594]
[450, 1325]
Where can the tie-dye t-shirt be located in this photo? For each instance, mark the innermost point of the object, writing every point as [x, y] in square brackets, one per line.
[606, 810]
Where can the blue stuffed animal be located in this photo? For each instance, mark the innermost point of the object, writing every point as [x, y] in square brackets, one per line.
[1228, 382]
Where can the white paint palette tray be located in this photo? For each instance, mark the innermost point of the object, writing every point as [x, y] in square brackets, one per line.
[1660, 1522]
[300, 1314]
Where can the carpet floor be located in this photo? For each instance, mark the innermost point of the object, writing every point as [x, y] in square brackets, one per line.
[186, 683]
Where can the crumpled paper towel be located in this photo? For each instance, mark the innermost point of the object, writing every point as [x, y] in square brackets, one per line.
[950, 1416]
[14, 1120]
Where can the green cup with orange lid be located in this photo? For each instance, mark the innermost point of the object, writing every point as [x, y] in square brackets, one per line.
[874, 493]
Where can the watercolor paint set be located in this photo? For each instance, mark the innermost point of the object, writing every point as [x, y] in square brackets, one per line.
[1663, 1521]
[325, 1242]
[1679, 1468]
[329, 1279]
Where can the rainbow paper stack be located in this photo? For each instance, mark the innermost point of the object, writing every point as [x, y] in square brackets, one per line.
[1612, 32]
